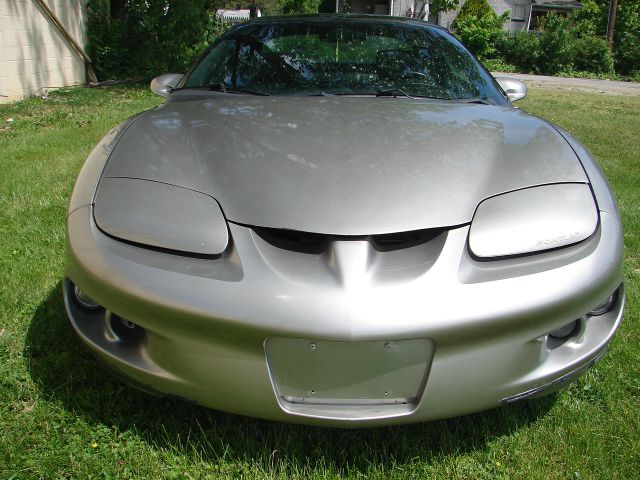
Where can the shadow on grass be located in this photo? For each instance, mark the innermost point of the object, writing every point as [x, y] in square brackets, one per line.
[66, 372]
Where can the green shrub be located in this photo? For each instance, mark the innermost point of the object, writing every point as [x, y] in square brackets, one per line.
[523, 50]
[148, 37]
[213, 28]
[105, 40]
[475, 9]
[591, 54]
[497, 65]
[327, 6]
[591, 19]
[555, 44]
[551, 52]
[627, 53]
[289, 7]
[570, 44]
[482, 35]
[627, 41]
[480, 29]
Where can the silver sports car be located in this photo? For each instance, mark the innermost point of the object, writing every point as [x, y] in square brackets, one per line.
[342, 220]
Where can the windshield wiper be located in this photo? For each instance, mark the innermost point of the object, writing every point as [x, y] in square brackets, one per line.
[223, 87]
[397, 92]
[195, 87]
[480, 100]
[393, 92]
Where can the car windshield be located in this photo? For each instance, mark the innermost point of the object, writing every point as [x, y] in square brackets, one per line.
[341, 56]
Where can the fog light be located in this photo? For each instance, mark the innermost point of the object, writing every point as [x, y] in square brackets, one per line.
[565, 330]
[604, 307]
[84, 300]
[128, 324]
[125, 330]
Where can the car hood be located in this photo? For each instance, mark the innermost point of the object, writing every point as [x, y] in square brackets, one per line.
[343, 165]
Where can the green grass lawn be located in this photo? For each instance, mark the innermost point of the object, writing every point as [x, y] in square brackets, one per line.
[62, 416]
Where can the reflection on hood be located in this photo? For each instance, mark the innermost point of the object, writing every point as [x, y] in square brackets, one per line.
[344, 165]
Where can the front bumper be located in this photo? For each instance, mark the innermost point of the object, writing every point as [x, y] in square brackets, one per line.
[470, 334]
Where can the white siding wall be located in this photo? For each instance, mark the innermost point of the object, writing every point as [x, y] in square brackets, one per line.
[33, 52]
[499, 6]
[400, 7]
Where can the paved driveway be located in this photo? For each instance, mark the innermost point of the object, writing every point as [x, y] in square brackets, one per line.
[609, 87]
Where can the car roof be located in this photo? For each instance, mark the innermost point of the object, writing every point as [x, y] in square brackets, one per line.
[352, 17]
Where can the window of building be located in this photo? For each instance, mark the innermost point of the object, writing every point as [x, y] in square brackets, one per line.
[518, 13]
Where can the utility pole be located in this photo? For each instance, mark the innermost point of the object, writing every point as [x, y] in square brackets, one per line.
[613, 8]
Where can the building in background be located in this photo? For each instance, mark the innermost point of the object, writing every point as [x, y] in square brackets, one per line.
[524, 14]
[238, 16]
[398, 8]
[35, 55]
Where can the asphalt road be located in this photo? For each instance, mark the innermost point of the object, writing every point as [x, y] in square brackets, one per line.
[608, 87]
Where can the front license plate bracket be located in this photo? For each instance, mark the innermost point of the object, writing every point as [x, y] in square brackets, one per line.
[331, 379]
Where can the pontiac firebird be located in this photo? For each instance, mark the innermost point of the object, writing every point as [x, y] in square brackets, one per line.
[342, 220]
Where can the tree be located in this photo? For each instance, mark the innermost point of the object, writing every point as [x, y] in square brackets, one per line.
[476, 9]
[627, 37]
[480, 28]
[592, 18]
[144, 38]
[269, 7]
[439, 6]
[290, 7]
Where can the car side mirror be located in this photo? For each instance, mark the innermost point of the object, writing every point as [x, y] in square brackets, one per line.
[163, 84]
[515, 89]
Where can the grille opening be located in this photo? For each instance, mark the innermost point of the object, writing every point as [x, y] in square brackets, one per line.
[316, 243]
[397, 241]
[295, 240]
